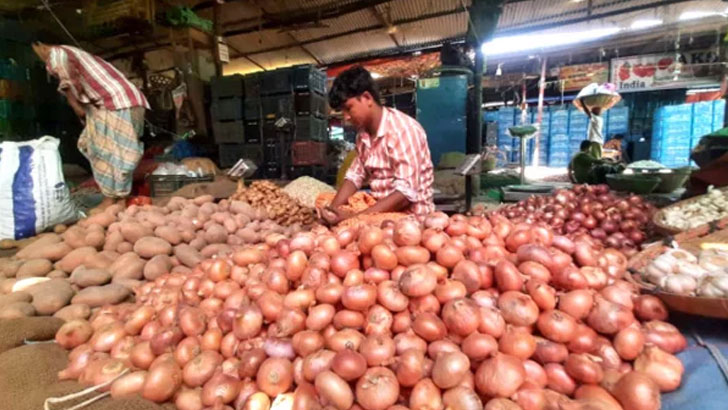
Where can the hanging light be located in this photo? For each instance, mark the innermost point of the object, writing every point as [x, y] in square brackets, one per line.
[499, 70]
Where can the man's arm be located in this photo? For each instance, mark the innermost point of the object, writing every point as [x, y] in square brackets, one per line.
[394, 202]
[75, 104]
[342, 196]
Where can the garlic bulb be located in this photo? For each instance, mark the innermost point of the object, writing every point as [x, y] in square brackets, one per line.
[707, 208]
[665, 263]
[681, 255]
[681, 284]
[691, 269]
[714, 286]
[654, 275]
[713, 261]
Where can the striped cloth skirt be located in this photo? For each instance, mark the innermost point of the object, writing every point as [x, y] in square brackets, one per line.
[111, 144]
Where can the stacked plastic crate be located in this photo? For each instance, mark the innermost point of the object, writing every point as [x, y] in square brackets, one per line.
[506, 118]
[578, 129]
[702, 121]
[671, 135]
[559, 138]
[718, 114]
[226, 111]
[543, 137]
[617, 121]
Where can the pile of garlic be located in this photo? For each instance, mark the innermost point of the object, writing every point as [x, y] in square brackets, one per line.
[679, 271]
[708, 208]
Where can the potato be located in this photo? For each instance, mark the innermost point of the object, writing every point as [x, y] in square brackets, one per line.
[43, 241]
[97, 261]
[110, 254]
[187, 235]
[216, 234]
[15, 297]
[182, 269]
[216, 249]
[128, 283]
[90, 277]
[75, 258]
[169, 234]
[53, 252]
[95, 238]
[151, 246]
[73, 312]
[113, 239]
[75, 237]
[17, 310]
[96, 296]
[132, 232]
[124, 247]
[248, 235]
[230, 225]
[187, 255]
[233, 240]
[102, 218]
[10, 267]
[57, 274]
[114, 209]
[156, 219]
[157, 266]
[128, 266]
[51, 296]
[6, 285]
[34, 267]
[219, 217]
[203, 199]
[198, 243]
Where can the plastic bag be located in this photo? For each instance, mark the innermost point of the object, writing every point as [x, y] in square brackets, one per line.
[33, 194]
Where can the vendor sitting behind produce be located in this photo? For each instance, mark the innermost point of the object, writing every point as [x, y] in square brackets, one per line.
[581, 165]
[392, 151]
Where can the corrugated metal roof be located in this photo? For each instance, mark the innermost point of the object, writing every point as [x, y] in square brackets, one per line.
[291, 56]
[516, 16]
[362, 18]
[434, 29]
[343, 48]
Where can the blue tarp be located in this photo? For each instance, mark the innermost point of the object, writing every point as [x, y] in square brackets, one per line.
[703, 386]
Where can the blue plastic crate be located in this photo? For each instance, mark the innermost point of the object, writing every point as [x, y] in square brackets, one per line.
[559, 137]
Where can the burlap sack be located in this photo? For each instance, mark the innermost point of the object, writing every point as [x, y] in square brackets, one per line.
[29, 376]
[14, 332]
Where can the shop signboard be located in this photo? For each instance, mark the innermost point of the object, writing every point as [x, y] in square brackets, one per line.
[664, 71]
[576, 77]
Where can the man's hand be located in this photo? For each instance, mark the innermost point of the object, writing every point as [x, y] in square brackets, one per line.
[333, 216]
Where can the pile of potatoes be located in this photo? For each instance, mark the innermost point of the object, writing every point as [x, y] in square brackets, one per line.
[103, 258]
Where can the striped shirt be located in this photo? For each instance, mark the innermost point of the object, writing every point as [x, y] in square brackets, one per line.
[396, 159]
[93, 80]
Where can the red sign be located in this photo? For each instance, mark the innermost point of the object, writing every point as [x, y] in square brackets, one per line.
[664, 71]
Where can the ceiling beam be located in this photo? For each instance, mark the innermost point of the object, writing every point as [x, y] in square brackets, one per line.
[391, 28]
[357, 31]
[304, 48]
[292, 18]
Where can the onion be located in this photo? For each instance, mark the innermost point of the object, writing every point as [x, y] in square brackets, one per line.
[584, 340]
[469, 274]
[220, 388]
[342, 262]
[417, 280]
[425, 395]
[558, 379]
[500, 376]
[663, 368]
[557, 326]
[629, 343]
[449, 256]
[609, 318]
[429, 326]
[583, 368]
[377, 389]
[348, 364]
[665, 336]
[275, 376]
[517, 343]
[649, 307]
[542, 294]
[478, 346]
[461, 316]
[517, 308]
[378, 350]
[635, 390]
[507, 276]
[410, 367]
[577, 303]
[462, 398]
[549, 352]
[334, 390]
[449, 369]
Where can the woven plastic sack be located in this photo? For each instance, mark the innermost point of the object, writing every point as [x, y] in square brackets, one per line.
[33, 194]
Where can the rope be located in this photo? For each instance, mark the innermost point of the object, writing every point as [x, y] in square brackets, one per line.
[72, 396]
[48, 7]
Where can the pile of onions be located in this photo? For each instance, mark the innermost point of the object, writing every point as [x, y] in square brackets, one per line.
[456, 312]
[613, 221]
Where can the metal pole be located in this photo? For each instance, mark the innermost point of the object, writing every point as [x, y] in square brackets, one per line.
[539, 113]
[217, 29]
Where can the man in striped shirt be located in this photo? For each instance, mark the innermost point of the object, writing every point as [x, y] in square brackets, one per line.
[111, 108]
[392, 151]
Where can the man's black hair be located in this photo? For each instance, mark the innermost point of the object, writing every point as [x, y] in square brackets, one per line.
[585, 145]
[618, 136]
[352, 83]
